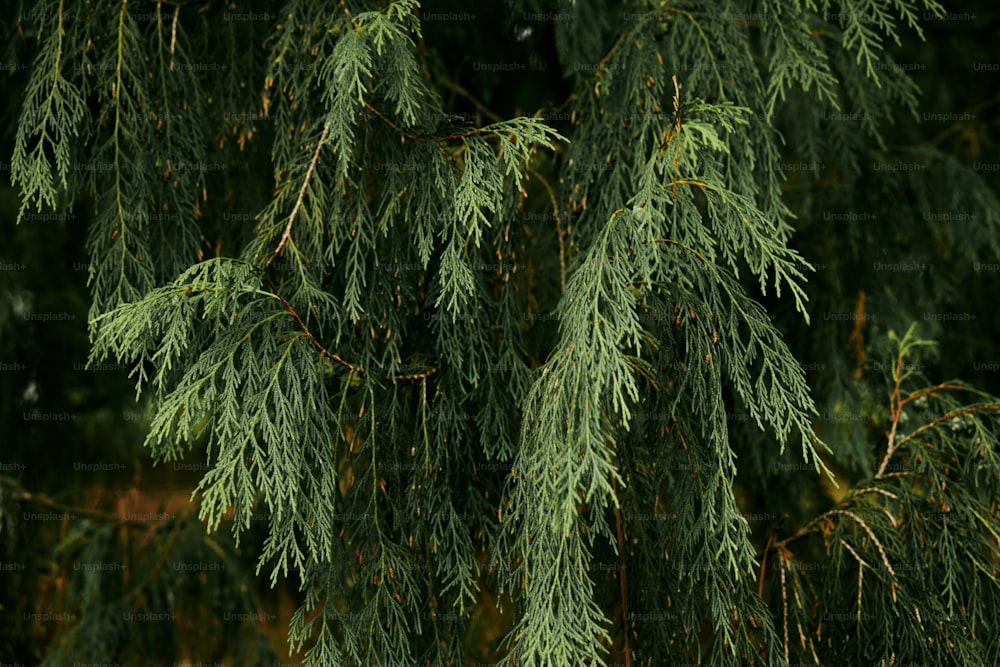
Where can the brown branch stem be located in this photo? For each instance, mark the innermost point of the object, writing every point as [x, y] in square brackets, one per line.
[622, 581]
[18, 492]
[480, 107]
[353, 368]
[302, 193]
[319, 346]
[559, 228]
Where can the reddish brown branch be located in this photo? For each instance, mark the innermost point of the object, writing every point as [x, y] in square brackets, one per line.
[353, 368]
[622, 581]
[319, 346]
[302, 193]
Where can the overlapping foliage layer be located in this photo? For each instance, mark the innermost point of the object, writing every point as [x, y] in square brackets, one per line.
[335, 289]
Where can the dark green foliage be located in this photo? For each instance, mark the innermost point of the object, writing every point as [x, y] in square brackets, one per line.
[454, 355]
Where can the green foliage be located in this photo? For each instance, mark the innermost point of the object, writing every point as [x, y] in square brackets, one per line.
[895, 548]
[456, 363]
[54, 109]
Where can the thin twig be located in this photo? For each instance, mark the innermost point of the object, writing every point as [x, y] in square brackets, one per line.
[897, 410]
[782, 556]
[878, 545]
[559, 228]
[173, 35]
[302, 193]
[480, 107]
[948, 416]
[861, 572]
[353, 368]
[622, 582]
[763, 565]
[959, 126]
[642, 372]
[302, 325]
[413, 137]
[678, 243]
[874, 489]
[385, 119]
[413, 376]
[18, 492]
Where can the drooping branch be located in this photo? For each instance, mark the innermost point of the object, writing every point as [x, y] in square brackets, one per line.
[302, 193]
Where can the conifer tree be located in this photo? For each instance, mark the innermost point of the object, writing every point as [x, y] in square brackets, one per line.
[519, 327]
